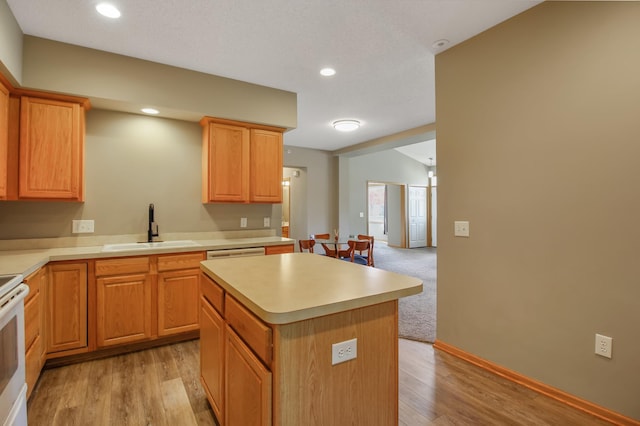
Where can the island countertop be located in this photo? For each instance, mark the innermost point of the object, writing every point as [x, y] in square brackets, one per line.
[297, 286]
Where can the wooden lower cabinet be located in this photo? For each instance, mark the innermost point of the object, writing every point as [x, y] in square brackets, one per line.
[66, 307]
[248, 385]
[212, 366]
[145, 297]
[34, 313]
[178, 293]
[123, 300]
[123, 309]
[236, 381]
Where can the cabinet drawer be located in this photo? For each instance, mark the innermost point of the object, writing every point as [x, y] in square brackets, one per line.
[180, 261]
[34, 286]
[212, 292]
[33, 364]
[254, 332]
[31, 321]
[122, 265]
[278, 249]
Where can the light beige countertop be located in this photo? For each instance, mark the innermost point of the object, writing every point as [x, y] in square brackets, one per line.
[297, 286]
[26, 261]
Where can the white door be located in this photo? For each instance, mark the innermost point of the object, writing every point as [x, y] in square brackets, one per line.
[417, 216]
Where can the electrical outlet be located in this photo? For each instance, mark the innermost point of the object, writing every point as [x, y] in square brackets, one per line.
[267, 221]
[243, 222]
[604, 346]
[461, 228]
[82, 226]
[344, 351]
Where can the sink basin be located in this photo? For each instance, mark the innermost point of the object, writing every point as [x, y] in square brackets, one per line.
[147, 246]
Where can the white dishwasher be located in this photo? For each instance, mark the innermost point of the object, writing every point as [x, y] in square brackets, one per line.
[241, 252]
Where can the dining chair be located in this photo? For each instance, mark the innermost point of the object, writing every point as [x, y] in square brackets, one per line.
[360, 246]
[370, 239]
[306, 245]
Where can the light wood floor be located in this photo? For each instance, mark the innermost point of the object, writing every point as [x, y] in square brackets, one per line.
[160, 386]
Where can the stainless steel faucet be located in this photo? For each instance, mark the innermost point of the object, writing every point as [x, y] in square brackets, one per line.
[153, 226]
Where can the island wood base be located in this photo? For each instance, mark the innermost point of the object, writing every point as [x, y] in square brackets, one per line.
[308, 390]
[268, 324]
[282, 374]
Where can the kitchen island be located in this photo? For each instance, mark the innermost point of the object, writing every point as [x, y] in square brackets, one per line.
[268, 327]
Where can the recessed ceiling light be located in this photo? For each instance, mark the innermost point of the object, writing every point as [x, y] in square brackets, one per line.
[152, 111]
[327, 72]
[439, 44]
[346, 125]
[108, 10]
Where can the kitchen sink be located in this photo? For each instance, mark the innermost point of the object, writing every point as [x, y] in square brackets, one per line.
[147, 246]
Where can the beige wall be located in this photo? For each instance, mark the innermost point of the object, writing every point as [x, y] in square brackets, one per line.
[388, 166]
[127, 84]
[10, 45]
[131, 161]
[314, 190]
[537, 148]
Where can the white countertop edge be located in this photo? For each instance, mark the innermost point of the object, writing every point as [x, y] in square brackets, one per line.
[279, 318]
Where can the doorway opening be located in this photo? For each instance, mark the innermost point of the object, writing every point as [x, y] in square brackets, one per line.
[286, 206]
[403, 215]
[386, 213]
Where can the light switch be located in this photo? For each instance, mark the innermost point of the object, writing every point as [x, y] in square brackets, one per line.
[461, 228]
[361, 214]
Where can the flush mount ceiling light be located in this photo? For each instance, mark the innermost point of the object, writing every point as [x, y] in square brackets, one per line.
[439, 44]
[327, 72]
[108, 10]
[346, 125]
[151, 111]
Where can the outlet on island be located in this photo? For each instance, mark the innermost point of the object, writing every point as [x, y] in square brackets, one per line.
[344, 351]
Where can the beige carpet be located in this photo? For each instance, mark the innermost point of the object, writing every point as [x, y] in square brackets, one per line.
[417, 313]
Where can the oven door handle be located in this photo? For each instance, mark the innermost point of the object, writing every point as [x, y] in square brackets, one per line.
[11, 299]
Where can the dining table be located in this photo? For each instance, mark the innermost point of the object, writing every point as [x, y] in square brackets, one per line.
[336, 243]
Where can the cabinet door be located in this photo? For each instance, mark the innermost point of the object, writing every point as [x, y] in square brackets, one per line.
[248, 386]
[67, 307]
[225, 160]
[51, 149]
[123, 309]
[265, 166]
[212, 357]
[178, 297]
[4, 139]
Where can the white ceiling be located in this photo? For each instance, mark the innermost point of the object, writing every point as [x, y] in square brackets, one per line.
[381, 49]
[424, 152]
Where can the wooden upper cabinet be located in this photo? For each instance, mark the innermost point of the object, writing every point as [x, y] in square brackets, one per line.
[51, 149]
[241, 162]
[225, 156]
[265, 166]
